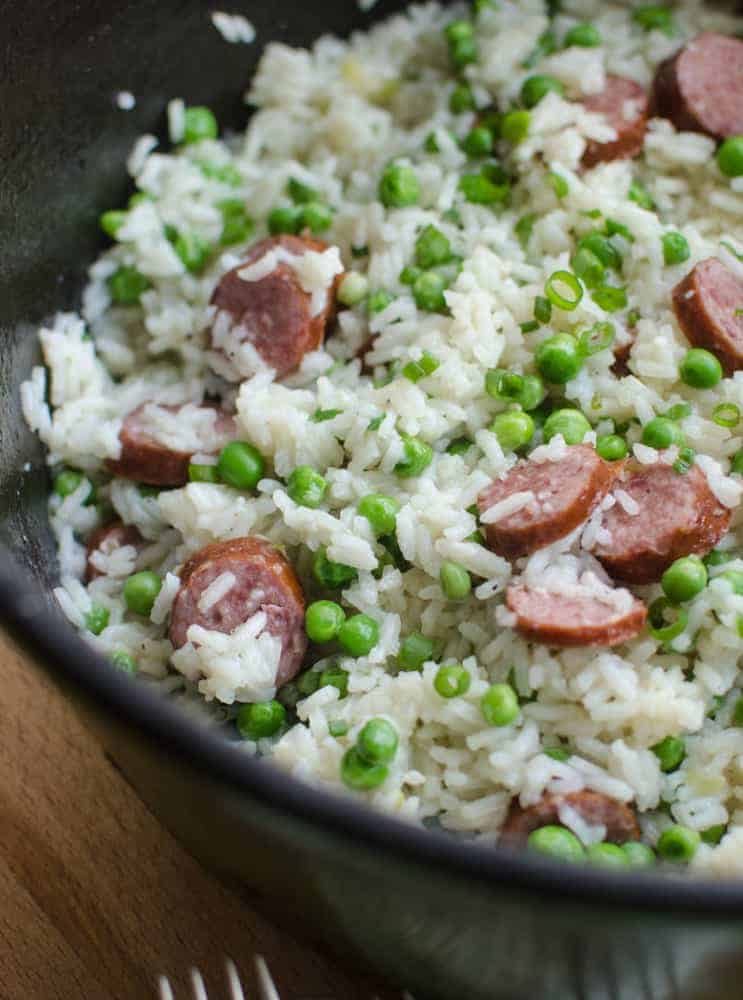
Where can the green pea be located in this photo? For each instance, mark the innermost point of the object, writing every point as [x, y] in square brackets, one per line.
[377, 302]
[140, 591]
[432, 248]
[69, 480]
[199, 123]
[675, 248]
[556, 842]
[515, 126]
[606, 856]
[193, 250]
[377, 742]
[353, 289]
[237, 226]
[559, 358]
[463, 52]
[316, 216]
[560, 754]
[260, 719]
[323, 619]
[285, 219]
[678, 844]
[111, 222]
[428, 292]
[241, 465]
[399, 186]
[670, 752]
[415, 650]
[478, 142]
[700, 369]
[716, 557]
[306, 486]
[730, 156]
[97, 618]
[359, 774]
[534, 88]
[585, 35]
[654, 17]
[455, 581]
[417, 456]
[570, 423]
[684, 579]
[457, 31]
[480, 190]
[335, 677]
[409, 275]
[124, 661]
[500, 705]
[660, 433]
[737, 715]
[202, 473]
[611, 447]
[638, 855]
[337, 728]
[358, 635]
[514, 429]
[452, 680]
[461, 99]
[126, 285]
[332, 575]
[380, 511]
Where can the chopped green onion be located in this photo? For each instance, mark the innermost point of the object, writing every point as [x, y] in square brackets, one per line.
[726, 415]
[542, 309]
[320, 416]
[660, 627]
[558, 183]
[567, 280]
[414, 371]
[641, 196]
[514, 126]
[597, 339]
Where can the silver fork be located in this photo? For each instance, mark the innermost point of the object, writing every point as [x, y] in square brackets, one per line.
[266, 986]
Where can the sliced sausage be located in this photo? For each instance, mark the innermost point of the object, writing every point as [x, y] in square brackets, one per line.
[625, 105]
[263, 581]
[601, 619]
[147, 459]
[594, 808]
[273, 313]
[678, 515]
[700, 88]
[709, 307]
[564, 495]
[105, 540]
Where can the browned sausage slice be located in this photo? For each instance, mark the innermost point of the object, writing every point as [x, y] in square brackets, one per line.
[604, 619]
[264, 581]
[564, 495]
[146, 459]
[678, 515]
[594, 808]
[700, 88]
[273, 313]
[106, 539]
[625, 105]
[709, 307]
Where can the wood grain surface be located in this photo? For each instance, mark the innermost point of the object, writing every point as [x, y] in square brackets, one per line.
[96, 898]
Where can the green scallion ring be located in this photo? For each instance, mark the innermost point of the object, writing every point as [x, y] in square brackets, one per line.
[659, 629]
[563, 278]
[726, 415]
[597, 338]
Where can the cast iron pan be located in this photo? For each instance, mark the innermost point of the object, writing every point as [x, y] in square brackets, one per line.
[444, 917]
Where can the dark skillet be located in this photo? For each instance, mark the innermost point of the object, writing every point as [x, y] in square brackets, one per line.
[441, 916]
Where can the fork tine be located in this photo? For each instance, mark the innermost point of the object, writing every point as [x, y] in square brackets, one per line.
[197, 984]
[265, 982]
[164, 988]
[233, 979]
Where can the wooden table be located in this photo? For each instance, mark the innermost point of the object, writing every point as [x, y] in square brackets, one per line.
[96, 898]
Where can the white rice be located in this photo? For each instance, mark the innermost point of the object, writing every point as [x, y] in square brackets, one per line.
[332, 117]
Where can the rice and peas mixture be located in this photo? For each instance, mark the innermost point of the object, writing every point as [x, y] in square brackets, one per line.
[386, 147]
